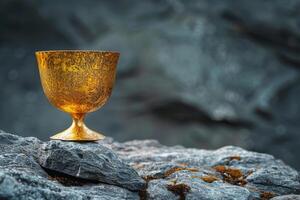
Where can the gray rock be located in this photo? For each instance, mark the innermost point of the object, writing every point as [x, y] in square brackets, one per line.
[287, 197]
[91, 161]
[252, 174]
[21, 163]
[16, 185]
[157, 190]
[228, 173]
[107, 192]
[10, 143]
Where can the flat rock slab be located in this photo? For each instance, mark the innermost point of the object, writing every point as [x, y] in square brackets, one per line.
[91, 161]
[31, 169]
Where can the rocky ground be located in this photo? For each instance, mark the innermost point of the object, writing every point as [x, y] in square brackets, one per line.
[140, 169]
[206, 73]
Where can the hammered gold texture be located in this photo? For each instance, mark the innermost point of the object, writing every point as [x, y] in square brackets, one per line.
[77, 82]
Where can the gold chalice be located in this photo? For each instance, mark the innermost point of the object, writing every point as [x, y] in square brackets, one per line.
[77, 82]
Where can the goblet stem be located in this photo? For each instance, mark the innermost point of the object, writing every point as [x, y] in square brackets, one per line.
[78, 124]
[78, 131]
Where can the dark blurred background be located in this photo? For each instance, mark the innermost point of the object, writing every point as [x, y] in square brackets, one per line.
[200, 73]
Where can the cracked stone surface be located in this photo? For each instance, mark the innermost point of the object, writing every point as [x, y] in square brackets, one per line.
[89, 161]
[114, 170]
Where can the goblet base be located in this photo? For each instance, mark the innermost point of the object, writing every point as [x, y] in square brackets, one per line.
[84, 135]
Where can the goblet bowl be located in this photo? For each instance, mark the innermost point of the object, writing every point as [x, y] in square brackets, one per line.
[77, 82]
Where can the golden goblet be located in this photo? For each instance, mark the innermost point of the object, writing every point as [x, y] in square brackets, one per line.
[77, 82]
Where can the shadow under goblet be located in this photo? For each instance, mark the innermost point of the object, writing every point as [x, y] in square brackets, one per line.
[77, 82]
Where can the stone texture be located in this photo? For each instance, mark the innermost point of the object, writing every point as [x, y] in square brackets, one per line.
[157, 190]
[18, 185]
[287, 197]
[22, 163]
[21, 186]
[22, 178]
[89, 161]
[24, 145]
[238, 174]
[107, 192]
[228, 173]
